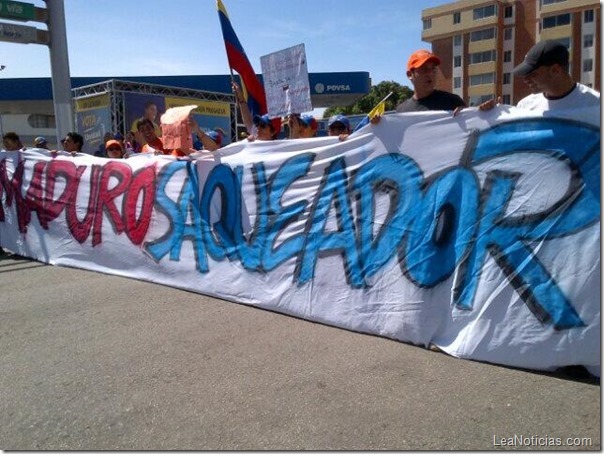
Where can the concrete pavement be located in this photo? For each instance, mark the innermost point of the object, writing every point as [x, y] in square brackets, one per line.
[97, 362]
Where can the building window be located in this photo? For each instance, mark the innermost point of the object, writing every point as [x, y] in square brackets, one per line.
[588, 41]
[484, 12]
[457, 61]
[507, 56]
[507, 78]
[507, 100]
[41, 121]
[556, 21]
[508, 12]
[508, 33]
[482, 57]
[550, 2]
[457, 82]
[477, 100]
[456, 18]
[481, 35]
[588, 15]
[457, 40]
[482, 79]
[427, 24]
[588, 65]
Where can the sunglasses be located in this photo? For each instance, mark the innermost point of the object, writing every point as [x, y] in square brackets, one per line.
[114, 149]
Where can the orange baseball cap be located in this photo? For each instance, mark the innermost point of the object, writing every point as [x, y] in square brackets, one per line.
[112, 142]
[420, 57]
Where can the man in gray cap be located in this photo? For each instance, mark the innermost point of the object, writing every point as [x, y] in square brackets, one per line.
[545, 71]
[40, 142]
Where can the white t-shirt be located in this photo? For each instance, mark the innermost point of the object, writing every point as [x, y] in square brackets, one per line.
[581, 96]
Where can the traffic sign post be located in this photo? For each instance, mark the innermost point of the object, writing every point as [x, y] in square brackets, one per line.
[56, 40]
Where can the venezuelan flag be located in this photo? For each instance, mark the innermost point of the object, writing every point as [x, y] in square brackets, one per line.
[238, 61]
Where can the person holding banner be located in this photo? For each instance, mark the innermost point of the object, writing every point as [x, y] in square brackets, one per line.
[73, 143]
[339, 125]
[545, 71]
[41, 142]
[422, 69]
[265, 129]
[12, 142]
[302, 127]
[259, 127]
[153, 144]
[114, 149]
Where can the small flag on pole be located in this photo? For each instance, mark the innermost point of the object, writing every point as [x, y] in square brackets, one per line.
[379, 109]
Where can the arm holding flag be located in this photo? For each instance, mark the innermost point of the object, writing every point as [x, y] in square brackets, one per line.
[246, 115]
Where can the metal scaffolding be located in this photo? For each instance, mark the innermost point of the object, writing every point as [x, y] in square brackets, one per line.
[116, 89]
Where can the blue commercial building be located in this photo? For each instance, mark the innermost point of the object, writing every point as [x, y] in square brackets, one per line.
[26, 104]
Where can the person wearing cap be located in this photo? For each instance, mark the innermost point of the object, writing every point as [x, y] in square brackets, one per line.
[209, 141]
[338, 125]
[114, 149]
[545, 71]
[302, 126]
[265, 128]
[422, 71]
[41, 142]
[308, 126]
[259, 127]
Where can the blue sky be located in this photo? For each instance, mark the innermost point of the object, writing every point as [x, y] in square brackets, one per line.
[183, 37]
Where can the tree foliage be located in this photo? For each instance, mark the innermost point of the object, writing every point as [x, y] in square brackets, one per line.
[375, 95]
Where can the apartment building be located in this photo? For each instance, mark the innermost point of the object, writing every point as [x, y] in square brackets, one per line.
[480, 42]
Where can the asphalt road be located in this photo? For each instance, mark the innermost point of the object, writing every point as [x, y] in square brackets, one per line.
[97, 362]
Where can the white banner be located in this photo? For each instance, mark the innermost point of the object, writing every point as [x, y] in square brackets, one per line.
[285, 76]
[478, 233]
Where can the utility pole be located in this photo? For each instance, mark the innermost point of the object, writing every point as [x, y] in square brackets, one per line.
[59, 66]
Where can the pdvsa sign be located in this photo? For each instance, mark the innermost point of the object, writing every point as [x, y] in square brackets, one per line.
[321, 88]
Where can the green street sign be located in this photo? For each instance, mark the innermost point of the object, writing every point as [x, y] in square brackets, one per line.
[17, 10]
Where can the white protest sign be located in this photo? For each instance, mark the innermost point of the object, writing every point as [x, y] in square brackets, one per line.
[286, 84]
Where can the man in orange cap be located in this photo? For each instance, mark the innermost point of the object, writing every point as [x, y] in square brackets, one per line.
[422, 70]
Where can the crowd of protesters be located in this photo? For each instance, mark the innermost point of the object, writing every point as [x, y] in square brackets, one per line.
[545, 70]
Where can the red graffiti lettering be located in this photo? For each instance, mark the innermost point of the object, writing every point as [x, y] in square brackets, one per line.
[133, 216]
[123, 174]
[66, 170]
[143, 184]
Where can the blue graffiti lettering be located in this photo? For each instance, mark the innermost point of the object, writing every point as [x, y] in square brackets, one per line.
[177, 212]
[445, 225]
